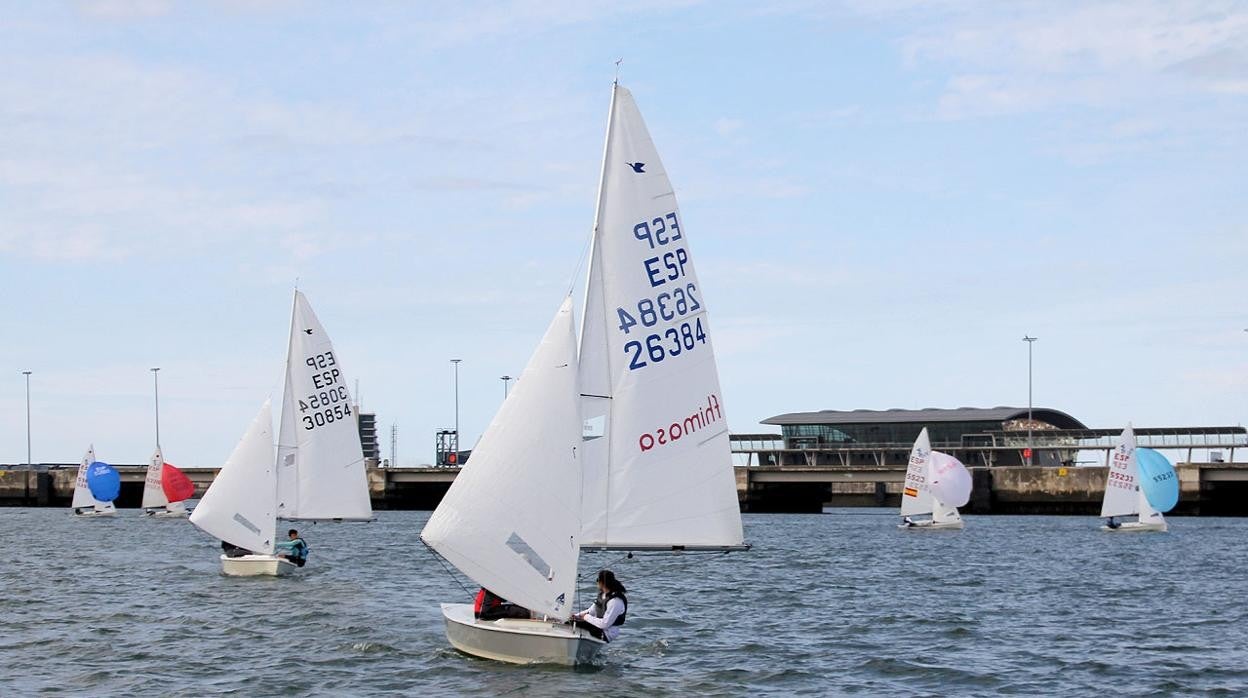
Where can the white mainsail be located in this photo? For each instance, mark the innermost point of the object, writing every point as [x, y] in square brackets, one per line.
[509, 521]
[916, 495]
[82, 493]
[1122, 496]
[320, 462]
[153, 491]
[661, 473]
[239, 507]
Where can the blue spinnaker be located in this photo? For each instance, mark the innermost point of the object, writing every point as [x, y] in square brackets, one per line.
[103, 480]
[1157, 479]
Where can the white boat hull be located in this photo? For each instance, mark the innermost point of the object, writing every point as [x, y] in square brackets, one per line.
[93, 514]
[518, 641]
[933, 526]
[165, 514]
[1137, 527]
[256, 566]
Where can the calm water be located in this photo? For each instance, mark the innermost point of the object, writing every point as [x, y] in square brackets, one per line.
[841, 603]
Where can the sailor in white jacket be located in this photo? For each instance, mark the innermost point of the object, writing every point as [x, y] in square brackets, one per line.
[608, 612]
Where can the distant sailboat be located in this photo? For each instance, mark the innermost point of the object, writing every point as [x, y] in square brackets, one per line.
[936, 484]
[319, 472]
[83, 503]
[1141, 483]
[165, 489]
[622, 446]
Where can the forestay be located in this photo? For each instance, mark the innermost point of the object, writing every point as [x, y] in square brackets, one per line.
[916, 495]
[239, 507]
[510, 519]
[320, 466]
[153, 484]
[658, 469]
[1121, 482]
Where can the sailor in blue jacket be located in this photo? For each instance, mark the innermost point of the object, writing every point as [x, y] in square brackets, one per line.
[296, 549]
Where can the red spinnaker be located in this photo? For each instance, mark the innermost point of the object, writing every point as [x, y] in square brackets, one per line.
[177, 486]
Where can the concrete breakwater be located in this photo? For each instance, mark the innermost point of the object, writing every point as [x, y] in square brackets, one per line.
[1210, 489]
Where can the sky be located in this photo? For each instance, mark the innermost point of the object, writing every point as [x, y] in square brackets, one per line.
[882, 198]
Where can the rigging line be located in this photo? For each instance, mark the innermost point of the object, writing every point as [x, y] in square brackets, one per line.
[449, 572]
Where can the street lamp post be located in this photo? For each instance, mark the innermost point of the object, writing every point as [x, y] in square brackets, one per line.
[505, 380]
[456, 362]
[156, 392]
[1030, 452]
[29, 464]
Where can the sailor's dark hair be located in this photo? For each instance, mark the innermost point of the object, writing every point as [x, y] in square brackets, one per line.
[292, 532]
[608, 580]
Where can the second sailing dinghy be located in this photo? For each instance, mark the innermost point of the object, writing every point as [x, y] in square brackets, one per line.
[83, 503]
[319, 472]
[653, 470]
[1141, 483]
[165, 489]
[936, 484]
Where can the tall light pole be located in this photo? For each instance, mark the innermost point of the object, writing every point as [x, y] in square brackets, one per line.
[505, 380]
[29, 465]
[156, 392]
[1030, 452]
[456, 362]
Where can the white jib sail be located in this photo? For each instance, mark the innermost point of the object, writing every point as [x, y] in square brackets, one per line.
[1147, 513]
[510, 520]
[239, 506]
[153, 490]
[82, 493]
[320, 466]
[916, 495]
[944, 513]
[1122, 496]
[661, 475]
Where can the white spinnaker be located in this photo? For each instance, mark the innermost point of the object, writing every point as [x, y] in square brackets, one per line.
[239, 506]
[950, 482]
[510, 520]
[1122, 496]
[320, 460]
[82, 493]
[153, 490]
[662, 475]
[916, 496]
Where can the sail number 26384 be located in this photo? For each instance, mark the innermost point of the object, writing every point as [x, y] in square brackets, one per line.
[671, 342]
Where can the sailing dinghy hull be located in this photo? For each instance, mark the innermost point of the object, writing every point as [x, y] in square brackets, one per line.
[933, 526]
[165, 514]
[1137, 527]
[256, 566]
[518, 641]
[93, 514]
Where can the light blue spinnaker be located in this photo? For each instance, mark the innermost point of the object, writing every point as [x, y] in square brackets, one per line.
[1158, 480]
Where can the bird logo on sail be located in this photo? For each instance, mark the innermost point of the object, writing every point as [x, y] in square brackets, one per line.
[638, 167]
[308, 331]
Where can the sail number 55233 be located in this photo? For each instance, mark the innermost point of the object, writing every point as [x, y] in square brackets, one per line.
[672, 342]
